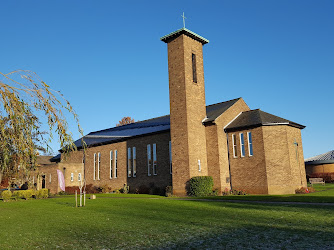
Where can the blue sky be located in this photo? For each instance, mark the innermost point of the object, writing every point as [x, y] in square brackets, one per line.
[106, 57]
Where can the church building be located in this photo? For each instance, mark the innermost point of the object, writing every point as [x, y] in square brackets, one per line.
[240, 148]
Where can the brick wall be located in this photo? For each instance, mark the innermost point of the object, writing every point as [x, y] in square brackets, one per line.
[161, 180]
[285, 173]
[187, 110]
[219, 165]
[249, 172]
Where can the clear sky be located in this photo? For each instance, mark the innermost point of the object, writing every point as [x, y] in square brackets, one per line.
[106, 57]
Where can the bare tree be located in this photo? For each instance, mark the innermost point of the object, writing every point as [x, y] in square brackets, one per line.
[125, 120]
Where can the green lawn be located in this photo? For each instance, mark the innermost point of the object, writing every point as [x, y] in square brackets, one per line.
[163, 223]
[323, 194]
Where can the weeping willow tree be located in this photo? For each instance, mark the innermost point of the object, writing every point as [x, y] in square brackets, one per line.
[27, 101]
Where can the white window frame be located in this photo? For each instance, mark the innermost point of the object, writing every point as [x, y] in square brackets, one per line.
[170, 158]
[149, 159]
[242, 144]
[72, 177]
[155, 164]
[115, 165]
[199, 165]
[134, 161]
[234, 145]
[129, 162]
[110, 164]
[94, 176]
[98, 165]
[250, 143]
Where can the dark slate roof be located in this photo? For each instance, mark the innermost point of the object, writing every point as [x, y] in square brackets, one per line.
[193, 35]
[325, 158]
[155, 125]
[256, 118]
[56, 158]
[215, 110]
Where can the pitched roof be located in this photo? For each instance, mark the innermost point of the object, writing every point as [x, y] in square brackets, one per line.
[151, 126]
[321, 159]
[193, 35]
[44, 160]
[256, 118]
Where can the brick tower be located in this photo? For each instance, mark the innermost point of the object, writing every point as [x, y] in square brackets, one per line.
[187, 106]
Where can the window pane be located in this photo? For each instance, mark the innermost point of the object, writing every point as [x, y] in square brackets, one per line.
[111, 166]
[134, 156]
[115, 163]
[149, 159]
[250, 144]
[234, 142]
[129, 162]
[242, 144]
[154, 159]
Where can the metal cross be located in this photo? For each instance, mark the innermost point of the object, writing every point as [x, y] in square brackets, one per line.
[184, 20]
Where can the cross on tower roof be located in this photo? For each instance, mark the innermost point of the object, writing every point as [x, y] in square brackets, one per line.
[184, 21]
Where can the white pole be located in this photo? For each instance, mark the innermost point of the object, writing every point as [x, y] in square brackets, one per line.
[76, 198]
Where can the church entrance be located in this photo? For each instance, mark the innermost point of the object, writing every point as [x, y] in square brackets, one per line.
[43, 181]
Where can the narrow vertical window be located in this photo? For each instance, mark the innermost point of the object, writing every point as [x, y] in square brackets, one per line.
[72, 176]
[149, 160]
[129, 162]
[98, 166]
[193, 57]
[234, 143]
[115, 163]
[250, 143]
[111, 166]
[154, 159]
[50, 178]
[242, 145]
[170, 158]
[199, 165]
[134, 164]
[79, 177]
[94, 177]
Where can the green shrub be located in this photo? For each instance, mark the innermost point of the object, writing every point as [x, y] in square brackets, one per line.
[6, 195]
[201, 186]
[125, 189]
[42, 193]
[24, 194]
[169, 191]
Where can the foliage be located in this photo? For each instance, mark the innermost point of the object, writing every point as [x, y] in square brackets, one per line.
[169, 191]
[125, 189]
[201, 186]
[305, 190]
[6, 195]
[42, 193]
[125, 120]
[27, 103]
[24, 194]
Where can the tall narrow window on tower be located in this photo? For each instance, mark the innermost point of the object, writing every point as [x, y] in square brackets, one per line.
[193, 57]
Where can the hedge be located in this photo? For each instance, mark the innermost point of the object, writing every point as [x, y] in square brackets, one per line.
[6, 195]
[201, 186]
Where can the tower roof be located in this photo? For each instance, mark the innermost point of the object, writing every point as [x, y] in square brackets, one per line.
[175, 34]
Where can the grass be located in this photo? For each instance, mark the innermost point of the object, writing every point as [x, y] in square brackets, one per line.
[163, 223]
[323, 194]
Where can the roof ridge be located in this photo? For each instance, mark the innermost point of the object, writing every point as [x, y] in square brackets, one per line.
[223, 102]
